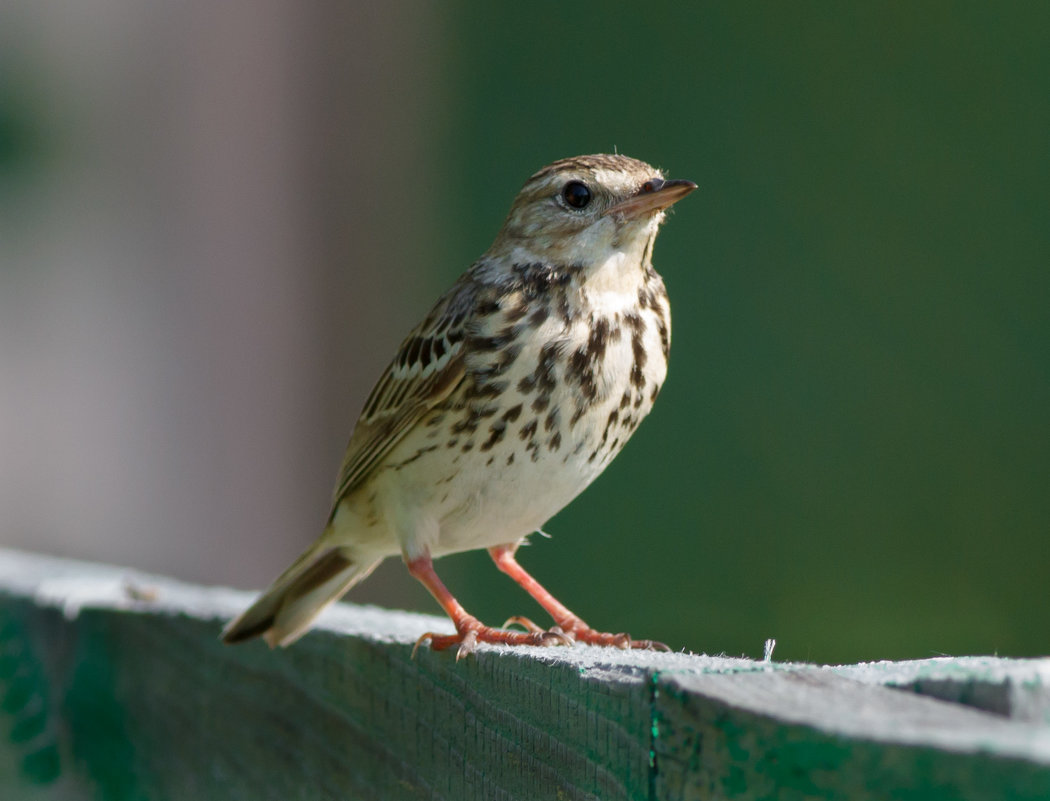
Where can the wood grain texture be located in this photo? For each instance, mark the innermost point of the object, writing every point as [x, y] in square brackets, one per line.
[113, 685]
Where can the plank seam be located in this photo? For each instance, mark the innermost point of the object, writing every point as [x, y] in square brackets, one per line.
[654, 731]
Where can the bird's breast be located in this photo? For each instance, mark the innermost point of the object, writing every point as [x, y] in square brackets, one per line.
[555, 387]
[564, 379]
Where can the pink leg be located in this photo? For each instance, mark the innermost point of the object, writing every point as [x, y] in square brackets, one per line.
[571, 624]
[469, 630]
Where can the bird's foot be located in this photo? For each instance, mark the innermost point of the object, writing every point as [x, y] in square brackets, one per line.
[588, 635]
[576, 630]
[472, 631]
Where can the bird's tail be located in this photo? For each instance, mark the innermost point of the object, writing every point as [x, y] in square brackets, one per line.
[284, 612]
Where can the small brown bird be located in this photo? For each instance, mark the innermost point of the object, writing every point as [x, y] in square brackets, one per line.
[507, 401]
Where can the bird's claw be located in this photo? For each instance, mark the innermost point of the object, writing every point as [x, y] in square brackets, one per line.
[554, 632]
[524, 622]
[474, 632]
[428, 636]
[585, 634]
[467, 645]
[555, 635]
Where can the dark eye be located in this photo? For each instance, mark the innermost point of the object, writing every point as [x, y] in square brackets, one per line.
[576, 195]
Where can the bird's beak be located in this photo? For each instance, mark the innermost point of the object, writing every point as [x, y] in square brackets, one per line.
[655, 194]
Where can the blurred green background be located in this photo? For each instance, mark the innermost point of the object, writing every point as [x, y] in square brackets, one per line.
[851, 452]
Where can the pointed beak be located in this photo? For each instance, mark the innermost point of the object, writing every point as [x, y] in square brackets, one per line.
[654, 195]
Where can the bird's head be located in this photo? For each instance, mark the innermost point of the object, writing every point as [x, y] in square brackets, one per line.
[582, 210]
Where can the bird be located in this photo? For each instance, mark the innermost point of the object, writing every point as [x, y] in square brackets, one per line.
[512, 395]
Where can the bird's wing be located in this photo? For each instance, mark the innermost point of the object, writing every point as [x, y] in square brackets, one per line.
[427, 368]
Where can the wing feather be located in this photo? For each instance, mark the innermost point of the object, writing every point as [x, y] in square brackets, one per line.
[425, 371]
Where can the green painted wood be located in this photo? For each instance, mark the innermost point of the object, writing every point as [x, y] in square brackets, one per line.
[113, 685]
[811, 734]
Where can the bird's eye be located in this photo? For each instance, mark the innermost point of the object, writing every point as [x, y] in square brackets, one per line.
[576, 195]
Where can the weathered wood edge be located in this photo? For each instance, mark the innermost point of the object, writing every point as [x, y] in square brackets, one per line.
[1013, 688]
[685, 726]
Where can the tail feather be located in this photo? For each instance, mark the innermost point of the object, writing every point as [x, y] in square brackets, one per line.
[285, 611]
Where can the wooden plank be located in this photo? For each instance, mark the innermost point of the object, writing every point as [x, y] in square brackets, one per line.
[812, 734]
[113, 685]
[1013, 688]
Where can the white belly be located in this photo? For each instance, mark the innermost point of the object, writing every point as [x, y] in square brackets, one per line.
[494, 483]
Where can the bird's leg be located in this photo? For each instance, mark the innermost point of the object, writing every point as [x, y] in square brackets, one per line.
[568, 622]
[469, 630]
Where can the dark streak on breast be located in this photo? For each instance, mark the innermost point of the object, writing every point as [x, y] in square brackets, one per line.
[496, 432]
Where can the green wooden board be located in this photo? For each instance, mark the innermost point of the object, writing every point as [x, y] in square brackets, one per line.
[113, 685]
